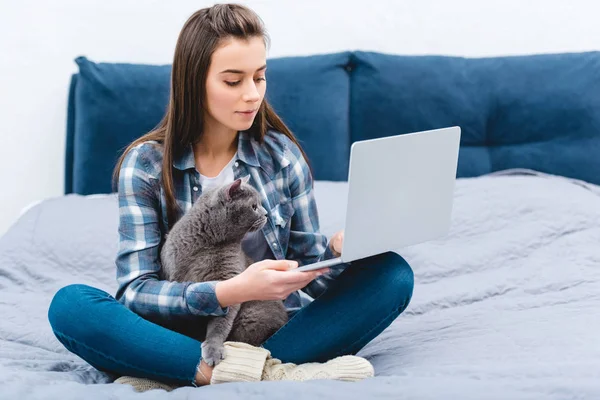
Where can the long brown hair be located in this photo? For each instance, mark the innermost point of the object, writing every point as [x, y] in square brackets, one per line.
[182, 123]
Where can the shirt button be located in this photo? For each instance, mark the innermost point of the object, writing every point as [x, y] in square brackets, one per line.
[274, 245]
[237, 164]
[195, 188]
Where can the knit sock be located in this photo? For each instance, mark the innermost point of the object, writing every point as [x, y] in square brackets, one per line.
[242, 363]
[344, 368]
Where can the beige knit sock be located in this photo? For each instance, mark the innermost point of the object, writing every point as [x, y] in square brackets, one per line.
[242, 363]
[344, 368]
[143, 384]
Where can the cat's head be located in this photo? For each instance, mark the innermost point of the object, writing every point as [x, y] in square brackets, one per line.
[236, 208]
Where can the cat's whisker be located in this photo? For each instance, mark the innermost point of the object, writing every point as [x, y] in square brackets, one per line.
[259, 223]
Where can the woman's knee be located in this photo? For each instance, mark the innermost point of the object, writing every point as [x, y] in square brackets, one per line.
[398, 278]
[71, 307]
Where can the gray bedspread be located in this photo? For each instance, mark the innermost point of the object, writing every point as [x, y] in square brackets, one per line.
[505, 306]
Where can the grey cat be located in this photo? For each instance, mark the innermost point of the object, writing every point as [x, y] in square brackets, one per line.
[205, 245]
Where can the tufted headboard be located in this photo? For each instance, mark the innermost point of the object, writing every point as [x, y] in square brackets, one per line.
[539, 112]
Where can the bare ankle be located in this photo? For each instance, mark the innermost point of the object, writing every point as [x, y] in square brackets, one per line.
[203, 374]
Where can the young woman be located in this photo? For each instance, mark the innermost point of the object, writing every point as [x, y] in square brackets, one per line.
[219, 127]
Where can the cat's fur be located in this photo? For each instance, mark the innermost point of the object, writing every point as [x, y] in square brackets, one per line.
[205, 245]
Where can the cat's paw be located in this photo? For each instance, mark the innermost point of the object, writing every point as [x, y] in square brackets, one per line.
[213, 353]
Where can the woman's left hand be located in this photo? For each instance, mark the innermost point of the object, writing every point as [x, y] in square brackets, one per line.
[336, 242]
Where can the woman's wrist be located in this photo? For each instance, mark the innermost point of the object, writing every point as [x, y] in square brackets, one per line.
[231, 291]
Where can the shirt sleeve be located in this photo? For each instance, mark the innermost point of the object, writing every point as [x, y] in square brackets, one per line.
[307, 244]
[137, 261]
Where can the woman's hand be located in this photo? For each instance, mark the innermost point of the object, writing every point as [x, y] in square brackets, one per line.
[265, 280]
[336, 242]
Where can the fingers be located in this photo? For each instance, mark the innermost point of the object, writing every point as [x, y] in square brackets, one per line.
[280, 265]
[296, 277]
[292, 277]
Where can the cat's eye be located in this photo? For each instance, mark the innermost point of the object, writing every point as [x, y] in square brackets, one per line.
[254, 207]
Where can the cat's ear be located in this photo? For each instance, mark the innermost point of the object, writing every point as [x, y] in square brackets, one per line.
[246, 179]
[233, 189]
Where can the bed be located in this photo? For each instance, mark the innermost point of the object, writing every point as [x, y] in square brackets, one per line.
[505, 306]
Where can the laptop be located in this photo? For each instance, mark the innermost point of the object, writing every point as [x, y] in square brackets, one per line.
[400, 193]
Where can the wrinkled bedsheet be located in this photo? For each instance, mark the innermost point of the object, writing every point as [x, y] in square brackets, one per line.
[505, 306]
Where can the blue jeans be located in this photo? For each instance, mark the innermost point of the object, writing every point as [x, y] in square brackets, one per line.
[363, 300]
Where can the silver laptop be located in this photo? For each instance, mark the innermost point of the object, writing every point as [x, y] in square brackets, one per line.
[400, 193]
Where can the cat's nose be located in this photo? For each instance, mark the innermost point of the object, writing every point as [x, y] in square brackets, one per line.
[263, 211]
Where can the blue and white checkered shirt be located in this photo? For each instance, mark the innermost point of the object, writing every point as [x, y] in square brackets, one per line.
[279, 173]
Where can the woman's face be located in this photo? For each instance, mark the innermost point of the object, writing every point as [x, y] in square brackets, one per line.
[236, 85]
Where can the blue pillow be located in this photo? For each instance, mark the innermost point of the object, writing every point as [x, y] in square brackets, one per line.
[111, 105]
[311, 95]
[540, 111]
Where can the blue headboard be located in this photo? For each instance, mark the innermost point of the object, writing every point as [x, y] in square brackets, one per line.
[540, 111]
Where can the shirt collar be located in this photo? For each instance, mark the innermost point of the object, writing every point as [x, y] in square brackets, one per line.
[246, 153]
[246, 150]
[186, 161]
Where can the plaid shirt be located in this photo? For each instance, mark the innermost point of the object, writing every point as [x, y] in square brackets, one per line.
[281, 176]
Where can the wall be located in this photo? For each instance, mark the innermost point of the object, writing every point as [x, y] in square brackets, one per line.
[40, 39]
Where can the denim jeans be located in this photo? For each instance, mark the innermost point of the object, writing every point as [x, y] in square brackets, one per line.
[363, 300]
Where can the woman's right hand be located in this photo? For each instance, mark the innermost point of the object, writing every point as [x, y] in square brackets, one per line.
[265, 280]
[275, 279]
